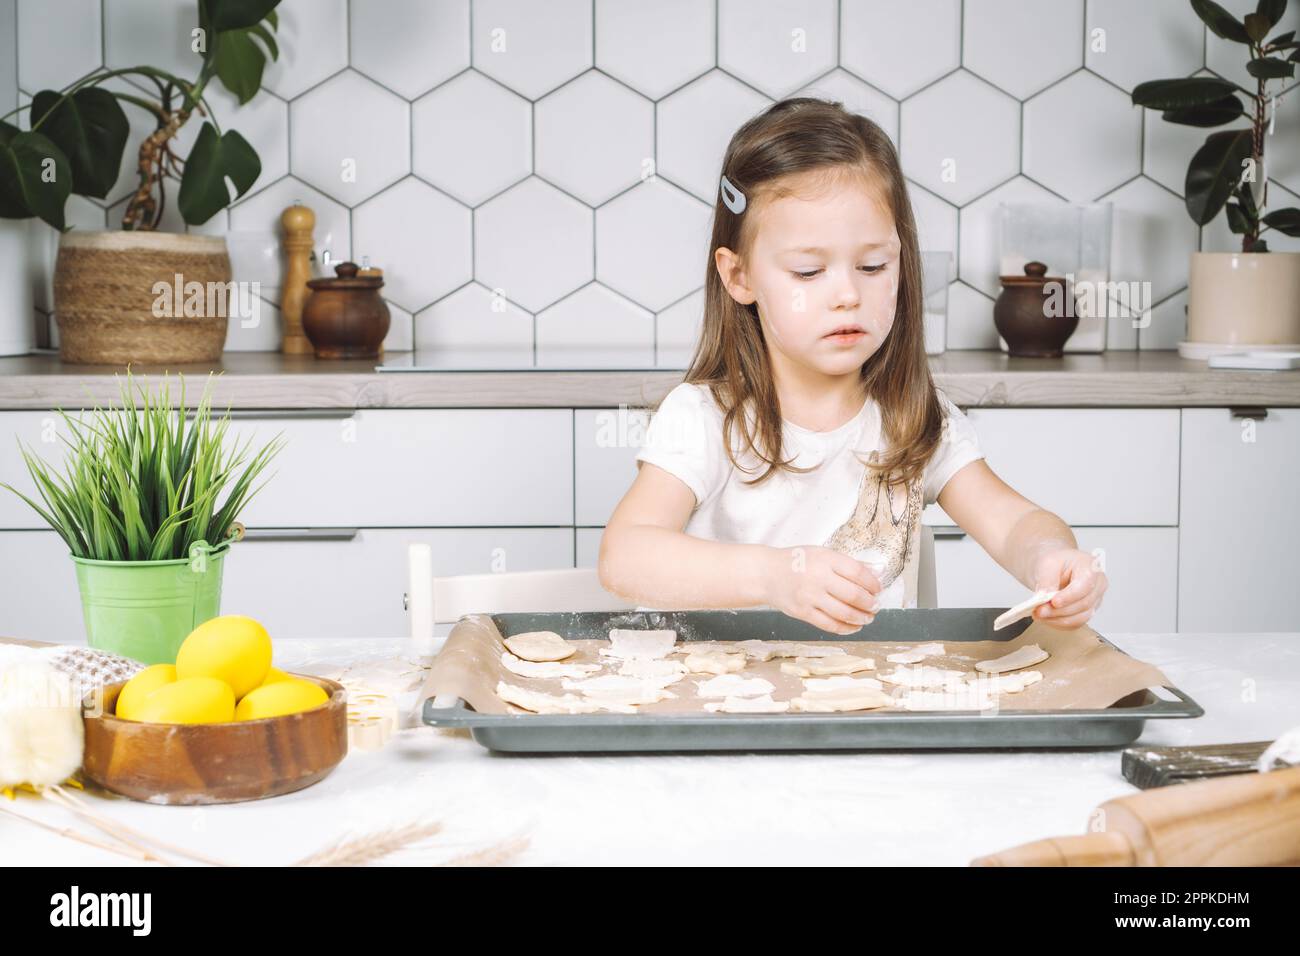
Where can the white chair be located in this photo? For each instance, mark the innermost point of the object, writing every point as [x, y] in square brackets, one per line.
[431, 600]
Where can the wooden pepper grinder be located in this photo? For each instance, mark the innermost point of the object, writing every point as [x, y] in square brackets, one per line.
[298, 222]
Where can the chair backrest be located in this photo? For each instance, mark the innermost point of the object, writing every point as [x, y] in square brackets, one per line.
[441, 600]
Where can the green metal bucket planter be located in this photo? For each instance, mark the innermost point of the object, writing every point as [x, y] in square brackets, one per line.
[145, 609]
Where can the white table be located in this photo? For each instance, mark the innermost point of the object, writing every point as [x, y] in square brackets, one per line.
[886, 808]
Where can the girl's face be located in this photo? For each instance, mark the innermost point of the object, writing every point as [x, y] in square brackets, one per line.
[823, 271]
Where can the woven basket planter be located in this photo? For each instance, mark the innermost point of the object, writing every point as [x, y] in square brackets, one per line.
[109, 309]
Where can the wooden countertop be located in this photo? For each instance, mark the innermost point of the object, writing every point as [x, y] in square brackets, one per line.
[969, 378]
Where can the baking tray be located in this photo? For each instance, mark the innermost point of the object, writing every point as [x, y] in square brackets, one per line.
[1114, 726]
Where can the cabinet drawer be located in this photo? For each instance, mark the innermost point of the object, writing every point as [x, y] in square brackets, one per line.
[1103, 467]
[1141, 563]
[42, 433]
[353, 587]
[605, 443]
[1241, 521]
[39, 600]
[586, 547]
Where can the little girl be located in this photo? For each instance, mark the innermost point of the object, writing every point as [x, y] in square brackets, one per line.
[790, 467]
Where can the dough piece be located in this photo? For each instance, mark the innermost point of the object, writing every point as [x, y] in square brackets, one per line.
[823, 685]
[966, 697]
[825, 666]
[917, 654]
[540, 646]
[542, 703]
[668, 672]
[733, 685]
[794, 649]
[620, 689]
[545, 669]
[1021, 657]
[1024, 609]
[923, 677]
[749, 705]
[639, 645]
[830, 702]
[1004, 683]
[758, 650]
[713, 661]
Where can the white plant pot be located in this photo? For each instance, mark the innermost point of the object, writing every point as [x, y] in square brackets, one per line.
[1240, 301]
[17, 315]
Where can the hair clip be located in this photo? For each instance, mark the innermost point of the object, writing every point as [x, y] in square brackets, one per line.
[732, 196]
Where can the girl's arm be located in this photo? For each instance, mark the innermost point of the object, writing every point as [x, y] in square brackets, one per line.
[646, 557]
[1034, 545]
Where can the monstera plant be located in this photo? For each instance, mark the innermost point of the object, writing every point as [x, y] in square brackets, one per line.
[105, 283]
[1241, 300]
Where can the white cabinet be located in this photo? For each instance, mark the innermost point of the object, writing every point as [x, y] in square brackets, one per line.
[605, 443]
[39, 600]
[1140, 563]
[1103, 467]
[41, 433]
[1240, 524]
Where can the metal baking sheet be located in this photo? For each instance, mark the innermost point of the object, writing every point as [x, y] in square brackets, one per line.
[1115, 726]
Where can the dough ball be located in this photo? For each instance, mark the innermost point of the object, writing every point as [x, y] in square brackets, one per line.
[540, 646]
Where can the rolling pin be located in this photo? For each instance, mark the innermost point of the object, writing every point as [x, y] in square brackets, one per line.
[1244, 820]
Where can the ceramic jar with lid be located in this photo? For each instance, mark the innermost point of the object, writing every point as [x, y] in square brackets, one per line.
[1035, 313]
[345, 316]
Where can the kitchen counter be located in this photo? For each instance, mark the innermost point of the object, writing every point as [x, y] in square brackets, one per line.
[970, 379]
[881, 808]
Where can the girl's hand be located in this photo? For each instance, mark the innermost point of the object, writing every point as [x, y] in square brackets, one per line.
[1081, 582]
[826, 588]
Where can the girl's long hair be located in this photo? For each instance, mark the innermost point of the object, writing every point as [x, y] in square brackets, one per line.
[803, 135]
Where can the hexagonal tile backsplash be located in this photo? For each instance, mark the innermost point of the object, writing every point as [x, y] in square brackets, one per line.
[537, 176]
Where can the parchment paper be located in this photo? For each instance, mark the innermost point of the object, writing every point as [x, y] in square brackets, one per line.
[1082, 673]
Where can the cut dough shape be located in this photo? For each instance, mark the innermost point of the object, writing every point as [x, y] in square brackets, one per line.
[825, 666]
[749, 705]
[545, 669]
[792, 649]
[917, 654]
[1021, 657]
[830, 702]
[733, 685]
[923, 677]
[1023, 609]
[965, 698]
[653, 667]
[1004, 683]
[824, 685]
[758, 650]
[639, 645]
[713, 661]
[540, 646]
[543, 703]
[620, 689]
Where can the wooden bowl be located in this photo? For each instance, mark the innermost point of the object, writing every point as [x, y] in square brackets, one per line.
[189, 764]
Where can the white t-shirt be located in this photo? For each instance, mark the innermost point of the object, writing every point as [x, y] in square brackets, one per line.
[839, 505]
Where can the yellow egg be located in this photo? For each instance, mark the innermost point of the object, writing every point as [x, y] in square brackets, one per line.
[190, 700]
[274, 676]
[141, 686]
[232, 648]
[283, 697]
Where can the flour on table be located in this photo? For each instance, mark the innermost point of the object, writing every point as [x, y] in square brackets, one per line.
[826, 666]
[542, 703]
[749, 705]
[733, 685]
[631, 644]
[545, 669]
[714, 661]
[844, 699]
[540, 646]
[917, 654]
[923, 677]
[1021, 657]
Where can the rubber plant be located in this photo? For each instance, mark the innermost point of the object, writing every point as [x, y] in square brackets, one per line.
[1228, 172]
[77, 135]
